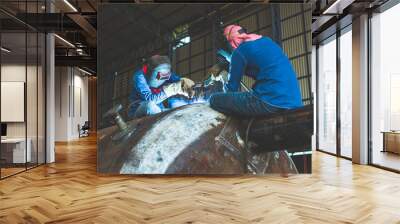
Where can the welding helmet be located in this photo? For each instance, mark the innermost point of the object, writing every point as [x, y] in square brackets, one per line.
[159, 70]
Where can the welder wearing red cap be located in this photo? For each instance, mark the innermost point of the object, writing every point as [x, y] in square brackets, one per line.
[155, 83]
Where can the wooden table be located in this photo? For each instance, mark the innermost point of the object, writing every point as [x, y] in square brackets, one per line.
[391, 141]
[13, 150]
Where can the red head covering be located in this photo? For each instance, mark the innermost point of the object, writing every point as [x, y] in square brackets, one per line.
[235, 37]
[145, 69]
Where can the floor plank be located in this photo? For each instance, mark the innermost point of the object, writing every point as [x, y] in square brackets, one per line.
[70, 191]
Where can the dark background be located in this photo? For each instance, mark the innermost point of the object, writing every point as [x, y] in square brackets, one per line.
[129, 32]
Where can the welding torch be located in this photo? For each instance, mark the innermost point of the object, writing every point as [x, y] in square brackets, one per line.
[224, 55]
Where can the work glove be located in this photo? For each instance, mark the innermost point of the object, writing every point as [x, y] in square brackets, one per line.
[174, 89]
[224, 75]
[218, 74]
[187, 86]
[214, 70]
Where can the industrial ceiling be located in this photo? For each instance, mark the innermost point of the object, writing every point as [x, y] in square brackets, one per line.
[75, 21]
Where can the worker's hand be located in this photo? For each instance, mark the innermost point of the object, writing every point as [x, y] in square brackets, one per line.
[214, 70]
[174, 89]
[187, 86]
[187, 83]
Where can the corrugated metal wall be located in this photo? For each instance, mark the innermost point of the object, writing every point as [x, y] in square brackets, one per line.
[193, 59]
[292, 31]
[118, 56]
[296, 43]
[260, 22]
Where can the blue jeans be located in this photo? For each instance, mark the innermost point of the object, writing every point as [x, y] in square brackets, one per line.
[243, 104]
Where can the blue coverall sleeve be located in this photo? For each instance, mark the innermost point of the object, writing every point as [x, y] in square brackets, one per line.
[144, 91]
[174, 78]
[236, 71]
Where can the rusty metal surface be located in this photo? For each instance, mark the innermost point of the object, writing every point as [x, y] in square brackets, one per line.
[212, 146]
[194, 139]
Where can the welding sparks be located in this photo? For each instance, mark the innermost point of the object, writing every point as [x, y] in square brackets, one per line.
[199, 101]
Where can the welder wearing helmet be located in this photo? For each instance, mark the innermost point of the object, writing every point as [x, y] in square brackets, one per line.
[154, 84]
[276, 87]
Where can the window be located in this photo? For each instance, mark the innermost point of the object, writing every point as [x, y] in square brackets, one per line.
[327, 95]
[22, 66]
[181, 42]
[346, 93]
[385, 88]
[181, 36]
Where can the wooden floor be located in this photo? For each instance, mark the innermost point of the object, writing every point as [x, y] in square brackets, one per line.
[5, 172]
[386, 159]
[70, 191]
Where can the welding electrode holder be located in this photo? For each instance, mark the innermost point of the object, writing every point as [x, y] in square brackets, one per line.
[124, 130]
[198, 91]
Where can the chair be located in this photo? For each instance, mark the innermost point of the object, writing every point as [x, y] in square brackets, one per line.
[84, 130]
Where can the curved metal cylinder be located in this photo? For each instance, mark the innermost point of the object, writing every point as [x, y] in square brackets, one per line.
[192, 139]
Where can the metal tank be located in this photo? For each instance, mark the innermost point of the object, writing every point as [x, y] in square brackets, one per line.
[195, 139]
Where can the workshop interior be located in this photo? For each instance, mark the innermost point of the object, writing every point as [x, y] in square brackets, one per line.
[192, 137]
[166, 111]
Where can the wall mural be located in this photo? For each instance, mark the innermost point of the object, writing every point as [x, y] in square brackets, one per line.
[204, 89]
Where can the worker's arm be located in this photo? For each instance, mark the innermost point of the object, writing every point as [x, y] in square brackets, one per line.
[141, 86]
[174, 77]
[236, 71]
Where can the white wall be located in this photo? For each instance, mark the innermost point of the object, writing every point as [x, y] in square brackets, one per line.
[10, 73]
[80, 111]
[33, 126]
[71, 102]
[16, 73]
[61, 103]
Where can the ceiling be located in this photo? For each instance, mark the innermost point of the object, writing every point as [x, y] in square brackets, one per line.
[76, 21]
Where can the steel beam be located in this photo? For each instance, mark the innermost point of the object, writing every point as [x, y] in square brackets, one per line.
[49, 22]
[84, 24]
[83, 61]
